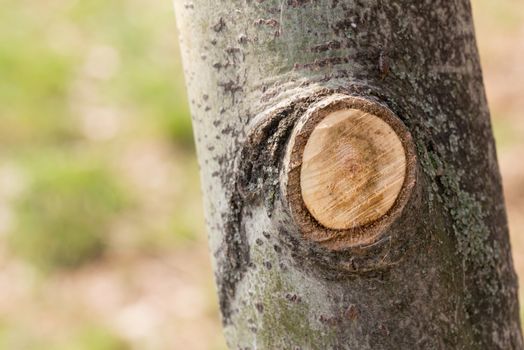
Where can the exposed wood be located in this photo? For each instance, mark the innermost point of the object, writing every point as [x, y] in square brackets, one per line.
[350, 170]
[353, 168]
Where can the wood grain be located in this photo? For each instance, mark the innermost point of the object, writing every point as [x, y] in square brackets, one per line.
[353, 169]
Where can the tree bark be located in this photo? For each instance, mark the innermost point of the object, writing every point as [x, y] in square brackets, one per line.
[434, 271]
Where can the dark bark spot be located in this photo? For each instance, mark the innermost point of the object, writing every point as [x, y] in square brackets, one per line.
[351, 313]
[331, 321]
[383, 64]
[231, 87]
[259, 307]
[331, 45]
[242, 39]
[219, 26]
[267, 22]
[293, 298]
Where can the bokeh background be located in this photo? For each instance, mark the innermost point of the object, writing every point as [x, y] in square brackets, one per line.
[102, 241]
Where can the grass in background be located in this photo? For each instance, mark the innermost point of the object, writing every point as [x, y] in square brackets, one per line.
[87, 337]
[88, 78]
[65, 211]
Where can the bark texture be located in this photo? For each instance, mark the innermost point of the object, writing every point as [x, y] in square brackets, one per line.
[441, 275]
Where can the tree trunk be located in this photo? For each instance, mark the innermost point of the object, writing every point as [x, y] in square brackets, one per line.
[351, 186]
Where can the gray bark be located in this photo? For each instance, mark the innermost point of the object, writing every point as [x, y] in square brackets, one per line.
[442, 275]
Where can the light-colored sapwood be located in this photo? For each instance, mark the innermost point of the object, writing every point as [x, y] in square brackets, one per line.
[353, 169]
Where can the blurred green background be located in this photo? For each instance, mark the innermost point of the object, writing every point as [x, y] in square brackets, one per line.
[102, 242]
